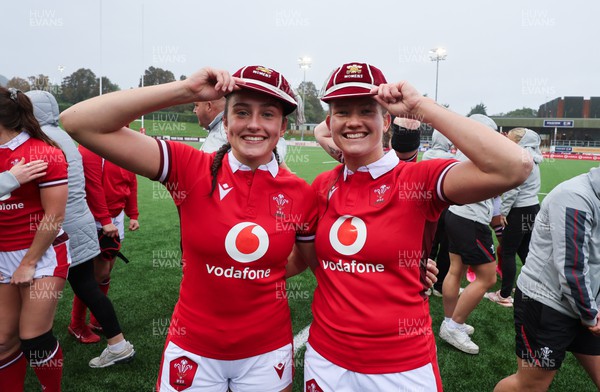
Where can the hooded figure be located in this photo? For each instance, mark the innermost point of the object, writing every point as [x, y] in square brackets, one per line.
[525, 194]
[79, 222]
[440, 147]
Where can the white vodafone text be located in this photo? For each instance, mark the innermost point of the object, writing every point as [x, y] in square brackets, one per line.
[352, 267]
[235, 273]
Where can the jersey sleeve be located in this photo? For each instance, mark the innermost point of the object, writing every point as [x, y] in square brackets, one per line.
[571, 222]
[56, 173]
[181, 168]
[428, 177]
[131, 205]
[94, 189]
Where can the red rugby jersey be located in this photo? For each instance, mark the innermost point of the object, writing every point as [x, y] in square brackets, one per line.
[235, 243]
[21, 210]
[109, 188]
[370, 311]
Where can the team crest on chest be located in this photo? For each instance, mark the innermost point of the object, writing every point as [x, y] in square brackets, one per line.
[379, 195]
[280, 205]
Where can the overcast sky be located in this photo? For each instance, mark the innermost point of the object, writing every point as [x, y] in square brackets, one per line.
[505, 54]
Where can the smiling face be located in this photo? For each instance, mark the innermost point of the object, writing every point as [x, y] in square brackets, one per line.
[254, 122]
[357, 126]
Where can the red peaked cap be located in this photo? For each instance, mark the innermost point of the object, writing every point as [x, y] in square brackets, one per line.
[352, 80]
[268, 81]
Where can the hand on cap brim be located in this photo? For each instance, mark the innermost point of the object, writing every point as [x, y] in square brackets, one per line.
[398, 98]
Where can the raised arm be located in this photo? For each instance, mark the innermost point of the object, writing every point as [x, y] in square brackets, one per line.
[496, 163]
[323, 137]
[99, 123]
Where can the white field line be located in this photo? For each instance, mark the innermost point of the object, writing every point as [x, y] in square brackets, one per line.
[300, 339]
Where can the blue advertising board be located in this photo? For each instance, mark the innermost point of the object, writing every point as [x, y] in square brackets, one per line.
[559, 123]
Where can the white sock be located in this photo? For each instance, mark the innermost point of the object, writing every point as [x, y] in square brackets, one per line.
[117, 347]
[447, 319]
[454, 325]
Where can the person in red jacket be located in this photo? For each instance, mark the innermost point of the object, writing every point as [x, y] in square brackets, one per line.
[111, 193]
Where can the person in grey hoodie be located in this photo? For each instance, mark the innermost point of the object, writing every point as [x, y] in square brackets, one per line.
[558, 290]
[79, 225]
[440, 147]
[518, 209]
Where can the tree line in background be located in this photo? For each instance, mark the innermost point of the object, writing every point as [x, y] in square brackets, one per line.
[524, 112]
[83, 84]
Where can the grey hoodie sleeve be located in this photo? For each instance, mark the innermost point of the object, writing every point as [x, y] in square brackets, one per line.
[8, 183]
[508, 199]
[571, 227]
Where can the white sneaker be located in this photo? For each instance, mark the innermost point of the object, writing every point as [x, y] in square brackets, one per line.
[458, 338]
[469, 329]
[495, 296]
[108, 358]
[437, 293]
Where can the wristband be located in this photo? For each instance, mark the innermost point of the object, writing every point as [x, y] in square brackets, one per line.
[405, 140]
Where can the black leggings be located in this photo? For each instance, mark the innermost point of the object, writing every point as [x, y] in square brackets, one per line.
[515, 240]
[81, 278]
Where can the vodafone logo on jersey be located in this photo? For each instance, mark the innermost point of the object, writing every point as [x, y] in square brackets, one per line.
[348, 235]
[246, 242]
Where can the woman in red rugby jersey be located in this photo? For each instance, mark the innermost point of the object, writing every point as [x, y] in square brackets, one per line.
[240, 214]
[372, 329]
[34, 258]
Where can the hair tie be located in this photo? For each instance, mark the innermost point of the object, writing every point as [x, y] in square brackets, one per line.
[13, 93]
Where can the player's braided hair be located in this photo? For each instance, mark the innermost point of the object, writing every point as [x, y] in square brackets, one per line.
[216, 165]
[218, 162]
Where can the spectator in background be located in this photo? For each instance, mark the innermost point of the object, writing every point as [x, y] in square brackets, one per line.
[470, 243]
[518, 209]
[558, 290]
[111, 194]
[83, 241]
[210, 117]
